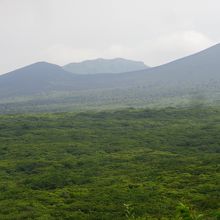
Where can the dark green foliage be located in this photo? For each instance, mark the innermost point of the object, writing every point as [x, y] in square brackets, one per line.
[88, 165]
[185, 213]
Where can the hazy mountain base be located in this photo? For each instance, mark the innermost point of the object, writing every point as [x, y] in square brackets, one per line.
[88, 165]
[110, 99]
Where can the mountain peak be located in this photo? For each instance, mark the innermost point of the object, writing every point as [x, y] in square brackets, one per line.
[101, 65]
[43, 64]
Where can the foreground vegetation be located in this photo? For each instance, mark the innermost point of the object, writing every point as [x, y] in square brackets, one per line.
[127, 164]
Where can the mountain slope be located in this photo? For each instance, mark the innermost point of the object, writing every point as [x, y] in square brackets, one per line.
[100, 65]
[33, 79]
[198, 67]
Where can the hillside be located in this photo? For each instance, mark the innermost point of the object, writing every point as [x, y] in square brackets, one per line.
[202, 67]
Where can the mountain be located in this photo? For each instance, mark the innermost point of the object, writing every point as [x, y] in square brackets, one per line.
[117, 65]
[198, 70]
[32, 79]
[197, 75]
[199, 67]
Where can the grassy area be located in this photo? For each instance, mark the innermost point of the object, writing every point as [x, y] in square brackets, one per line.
[91, 165]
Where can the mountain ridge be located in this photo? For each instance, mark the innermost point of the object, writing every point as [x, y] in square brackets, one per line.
[101, 65]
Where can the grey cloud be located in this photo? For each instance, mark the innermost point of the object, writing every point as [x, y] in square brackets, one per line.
[155, 31]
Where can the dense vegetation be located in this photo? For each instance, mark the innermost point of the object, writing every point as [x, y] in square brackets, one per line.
[138, 97]
[125, 164]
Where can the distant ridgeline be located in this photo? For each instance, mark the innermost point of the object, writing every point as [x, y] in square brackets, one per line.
[117, 65]
[104, 84]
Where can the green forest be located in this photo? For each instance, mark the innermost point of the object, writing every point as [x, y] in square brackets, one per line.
[111, 165]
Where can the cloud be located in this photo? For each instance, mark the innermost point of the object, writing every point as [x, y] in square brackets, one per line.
[154, 31]
[188, 40]
[62, 54]
[156, 51]
[175, 45]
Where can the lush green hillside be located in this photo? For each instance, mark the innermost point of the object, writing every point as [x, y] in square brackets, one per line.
[88, 165]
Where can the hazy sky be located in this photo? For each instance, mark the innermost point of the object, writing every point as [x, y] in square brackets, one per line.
[63, 31]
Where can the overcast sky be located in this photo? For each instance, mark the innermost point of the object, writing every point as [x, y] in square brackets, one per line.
[63, 31]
